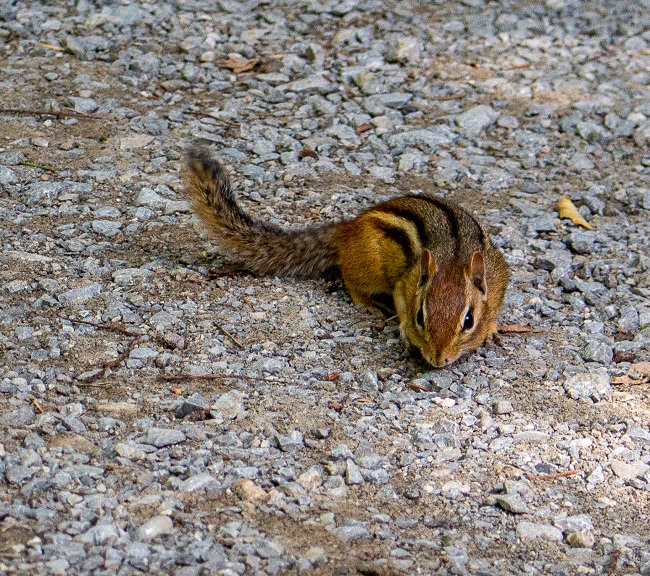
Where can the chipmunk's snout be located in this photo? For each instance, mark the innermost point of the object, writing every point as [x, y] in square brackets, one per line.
[439, 359]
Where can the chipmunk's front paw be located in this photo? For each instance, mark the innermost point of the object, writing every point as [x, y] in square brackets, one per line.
[493, 336]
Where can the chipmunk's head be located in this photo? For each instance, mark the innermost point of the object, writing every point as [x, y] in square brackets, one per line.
[449, 309]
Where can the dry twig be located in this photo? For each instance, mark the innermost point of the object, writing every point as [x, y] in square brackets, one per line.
[56, 113]
[418, 387]
[110, 327]
[552, 476]
[184, 377]
[35, 165]
[228, 335]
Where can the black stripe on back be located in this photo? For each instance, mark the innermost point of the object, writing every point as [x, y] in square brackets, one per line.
[409, 215]
[398, 235]
[447, 210]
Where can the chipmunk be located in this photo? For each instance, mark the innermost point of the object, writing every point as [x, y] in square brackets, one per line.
[422, 258]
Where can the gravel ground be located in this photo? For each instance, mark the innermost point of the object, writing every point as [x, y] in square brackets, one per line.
[318, 446]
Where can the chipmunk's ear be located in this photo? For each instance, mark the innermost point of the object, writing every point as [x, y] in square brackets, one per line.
[475, 270]
[428, 267]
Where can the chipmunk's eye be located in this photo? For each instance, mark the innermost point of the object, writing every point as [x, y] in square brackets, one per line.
[468, 322]
[419, 319]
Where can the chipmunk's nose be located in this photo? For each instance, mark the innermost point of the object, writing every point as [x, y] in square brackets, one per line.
[438, 361]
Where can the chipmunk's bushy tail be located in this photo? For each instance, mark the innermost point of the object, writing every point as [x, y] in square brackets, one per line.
[260, 247]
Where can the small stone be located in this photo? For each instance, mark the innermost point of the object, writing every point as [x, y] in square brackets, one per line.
[645, 203]
[127, 451]
[7, 176]
[197, 483]
[588, 385]
[387, 100]
[503, 407]
[118, 409]
[629, 319]
[290, 442]
[408, 49]
[629, 471]
[352, 473]
[84, 105]
[335, 486]
[431, 139]
[316, 84]
[476, 119]
[150, 198]
[453, 488]
[574, 523]
[82, 294]
[135, 142]
[246, 489]
[596, 476]
[597, 351]
[641, 135]
[512, 503]
[510, 122]
[582, 242]
[100, 534]
[17, 418]
[195, 403]
[74, 424]
[156, 526]
[108, 228]
[161, 437]
[129, 276]
[581, 539]
[310, 479]
[533, 530]
[144, 354]
[350, 533]
[230, 405]
[267, 548]
[543, 224]
[18, 474]
[638, 433]
[592, 132]
[368, 381]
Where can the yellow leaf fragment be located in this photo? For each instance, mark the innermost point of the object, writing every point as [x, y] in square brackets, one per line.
[52, 47]
[238, 64]
[567, 209]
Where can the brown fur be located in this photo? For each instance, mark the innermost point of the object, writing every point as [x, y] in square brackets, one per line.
[410, 251]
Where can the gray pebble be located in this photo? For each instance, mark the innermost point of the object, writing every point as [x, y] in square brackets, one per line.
[430, 138]
[161, 437]
[79, 295]
[108, 228]
[574, 523]
[534, 530]
[83, 105]
[512, 503]
[156, 526]
[503, 407]
[588, 385]
[290, 442]
[350, 533]
[597, 351]
[230, 405]
[476, 119]
[198, 482]
[7, 176]
[352, 473]
[368, 381]
[312, 84]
